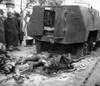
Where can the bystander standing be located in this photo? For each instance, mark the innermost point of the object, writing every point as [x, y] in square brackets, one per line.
[11, 32]
[19, 28]
[2, 32]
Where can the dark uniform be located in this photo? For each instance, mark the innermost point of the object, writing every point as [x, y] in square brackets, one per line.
[19, 28]
[20, 32]
[11, 32]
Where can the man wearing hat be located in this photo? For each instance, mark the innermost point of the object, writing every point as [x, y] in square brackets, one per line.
[11, 32]
[2, 32]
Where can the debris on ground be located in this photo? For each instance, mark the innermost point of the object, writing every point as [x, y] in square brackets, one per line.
[45, 69]
[6, 65]
[19, 66]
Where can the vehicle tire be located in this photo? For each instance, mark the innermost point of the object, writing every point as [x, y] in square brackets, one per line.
[83, 51]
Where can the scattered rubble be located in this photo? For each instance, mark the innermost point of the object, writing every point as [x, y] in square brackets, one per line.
[43, 69]
[19, 66]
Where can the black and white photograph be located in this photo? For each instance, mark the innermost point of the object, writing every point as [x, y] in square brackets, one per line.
[49, 42]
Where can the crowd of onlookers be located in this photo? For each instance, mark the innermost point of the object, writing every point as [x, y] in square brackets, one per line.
[11, 33]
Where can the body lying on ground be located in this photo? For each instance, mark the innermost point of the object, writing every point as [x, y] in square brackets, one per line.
[48, 61]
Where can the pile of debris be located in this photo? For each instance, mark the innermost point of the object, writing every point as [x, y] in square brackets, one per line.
[6, 65]
[38, 67]
[45, 63]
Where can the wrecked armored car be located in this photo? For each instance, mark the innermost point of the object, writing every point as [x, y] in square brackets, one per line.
[64, 28]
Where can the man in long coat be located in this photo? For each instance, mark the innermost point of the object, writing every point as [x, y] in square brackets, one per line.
[11, 32]
[19, 27]
[2, 32]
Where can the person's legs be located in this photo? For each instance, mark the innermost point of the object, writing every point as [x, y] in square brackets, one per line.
[6, 39]
[21, 37]
[34, 65]
[2, 37]
[18, 39]
[21, 42]
[15, 40]
[9, 40]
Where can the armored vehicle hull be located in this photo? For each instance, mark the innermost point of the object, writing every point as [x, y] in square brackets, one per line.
[64, 28]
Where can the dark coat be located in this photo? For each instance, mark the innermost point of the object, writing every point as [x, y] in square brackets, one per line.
[19, 28]
[11, 32]
[10, 26]
[2, 32]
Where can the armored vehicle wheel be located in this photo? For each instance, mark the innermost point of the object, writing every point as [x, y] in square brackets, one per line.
[83, 51]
